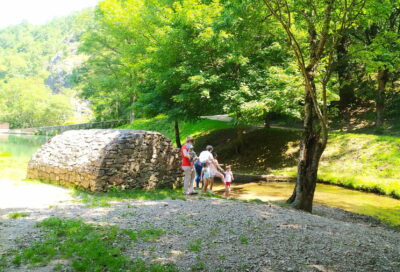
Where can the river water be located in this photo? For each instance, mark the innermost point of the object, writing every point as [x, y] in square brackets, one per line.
[16, 150]
[385, 208]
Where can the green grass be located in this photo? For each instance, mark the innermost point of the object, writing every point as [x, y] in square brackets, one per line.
[365, 162]
[195, 245]
[243, 239]
[360, 161]
[146, 235]
[101, 199]
[86, 247]
[129, 214]
[13, 168]
[165, 127]
[17, 215]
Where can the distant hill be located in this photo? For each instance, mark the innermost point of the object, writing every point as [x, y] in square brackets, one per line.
[44, 54]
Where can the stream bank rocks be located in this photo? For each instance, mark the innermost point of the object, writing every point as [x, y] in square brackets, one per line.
[99, 159]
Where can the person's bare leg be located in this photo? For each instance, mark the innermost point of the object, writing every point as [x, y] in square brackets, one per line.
[221, 176]
[211, 183]
[218, 174]
[205, 184]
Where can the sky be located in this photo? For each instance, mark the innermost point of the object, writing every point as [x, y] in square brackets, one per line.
[38, 11]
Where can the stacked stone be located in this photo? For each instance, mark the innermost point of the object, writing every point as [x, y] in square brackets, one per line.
[99, 159]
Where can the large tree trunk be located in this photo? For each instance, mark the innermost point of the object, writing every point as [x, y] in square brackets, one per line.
[380, 96]
[267, 123]
[177, 135]
[346, 87]
[311, 149]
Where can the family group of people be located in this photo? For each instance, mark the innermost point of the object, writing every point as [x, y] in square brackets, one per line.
[203, 168]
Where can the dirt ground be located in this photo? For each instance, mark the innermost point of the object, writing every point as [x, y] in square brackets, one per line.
[235, 235]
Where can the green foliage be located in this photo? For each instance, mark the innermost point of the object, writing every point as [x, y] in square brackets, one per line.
[379, 47]
[17, 215]
[26, 52]
[26, 102]
[177, 83]
[185, 59]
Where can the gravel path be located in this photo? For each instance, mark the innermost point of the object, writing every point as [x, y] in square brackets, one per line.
[235, 236]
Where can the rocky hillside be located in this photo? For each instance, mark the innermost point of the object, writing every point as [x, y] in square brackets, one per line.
[46, 54]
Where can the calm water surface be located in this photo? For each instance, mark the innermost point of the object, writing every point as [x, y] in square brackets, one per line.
[20, 146]
[15, 152]
[385, 208]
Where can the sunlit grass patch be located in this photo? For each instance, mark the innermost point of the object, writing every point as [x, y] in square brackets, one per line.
[365, 162]
[5, 154]
[17, 215]
[165, 127]
[102, 199]
[360, 161]
[13, 168]
[85, 247]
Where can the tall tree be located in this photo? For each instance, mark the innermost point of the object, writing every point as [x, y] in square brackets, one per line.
[178, 82]
[313, 28]
[378, 47]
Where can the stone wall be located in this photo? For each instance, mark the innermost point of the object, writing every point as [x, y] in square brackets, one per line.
[98, 159]
[55, 130]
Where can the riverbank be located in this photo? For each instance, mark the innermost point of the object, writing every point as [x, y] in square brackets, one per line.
[15, 152]
[358, 161]
[196, 234]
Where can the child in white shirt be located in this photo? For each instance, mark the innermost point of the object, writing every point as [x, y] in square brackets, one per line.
[228, 180]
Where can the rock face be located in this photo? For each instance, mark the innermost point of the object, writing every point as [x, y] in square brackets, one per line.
[99, 159]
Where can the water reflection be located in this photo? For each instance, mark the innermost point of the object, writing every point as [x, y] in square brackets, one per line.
[15, 152]
[20, 146]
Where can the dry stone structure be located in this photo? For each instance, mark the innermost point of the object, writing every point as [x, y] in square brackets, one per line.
[98, 159]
